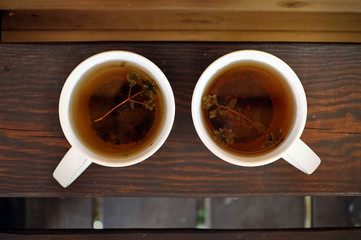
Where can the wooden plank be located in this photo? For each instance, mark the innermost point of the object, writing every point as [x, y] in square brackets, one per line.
[252, 5]
[181, 19]
[199, 21]
[180, 35]
[32, 143]
[141, 234]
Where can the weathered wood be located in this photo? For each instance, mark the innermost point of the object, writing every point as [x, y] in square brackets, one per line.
[179, 35]
[32, 143]
[261, 5]
[230, 20]
[296, 234]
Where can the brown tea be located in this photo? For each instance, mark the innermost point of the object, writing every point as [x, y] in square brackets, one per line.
[117, 110]
[248, 109]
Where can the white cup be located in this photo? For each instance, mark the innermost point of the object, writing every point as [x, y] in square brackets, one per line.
[292, 149]
[79, 156]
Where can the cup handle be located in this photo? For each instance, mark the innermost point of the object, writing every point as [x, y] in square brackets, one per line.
[302, 157]
[70, 167]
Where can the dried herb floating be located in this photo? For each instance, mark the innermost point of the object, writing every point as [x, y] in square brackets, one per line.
[148, 90]
[227, 136]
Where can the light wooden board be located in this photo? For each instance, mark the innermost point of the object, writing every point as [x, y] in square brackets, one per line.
[139, 20]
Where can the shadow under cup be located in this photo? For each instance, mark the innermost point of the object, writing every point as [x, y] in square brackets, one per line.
[248, 108]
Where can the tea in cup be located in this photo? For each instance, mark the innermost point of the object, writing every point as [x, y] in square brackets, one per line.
[249, 108]
[116, 109]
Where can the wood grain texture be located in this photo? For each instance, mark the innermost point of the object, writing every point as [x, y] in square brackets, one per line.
[314, 234]
[254, 5]
[139, 20]
[32, 143]
[178, 35]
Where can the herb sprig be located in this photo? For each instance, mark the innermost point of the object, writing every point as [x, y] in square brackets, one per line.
[148, 91]
[227, 136]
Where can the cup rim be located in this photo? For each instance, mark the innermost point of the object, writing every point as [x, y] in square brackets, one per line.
[101, 58]
[276, 64]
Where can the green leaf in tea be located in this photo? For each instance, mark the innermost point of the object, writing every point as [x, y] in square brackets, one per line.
[213, 114]
[148, 90]
[209, 101]
[224, 136]
[133, 79]
[149, 104]
[259, 126]
[273, 138]
[227, 136]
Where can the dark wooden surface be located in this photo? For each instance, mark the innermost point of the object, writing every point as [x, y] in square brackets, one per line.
[32, 142]
[184, 234]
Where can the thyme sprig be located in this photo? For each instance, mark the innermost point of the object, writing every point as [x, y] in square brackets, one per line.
[227, 136]
[148, 90]
[211, 101]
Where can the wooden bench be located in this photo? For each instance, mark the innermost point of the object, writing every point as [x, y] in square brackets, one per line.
[32, 75]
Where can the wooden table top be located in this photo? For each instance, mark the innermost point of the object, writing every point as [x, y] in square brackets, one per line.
[32, 142]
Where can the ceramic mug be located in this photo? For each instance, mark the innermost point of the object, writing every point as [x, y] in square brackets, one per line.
[291, 149]
[80, 155]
